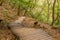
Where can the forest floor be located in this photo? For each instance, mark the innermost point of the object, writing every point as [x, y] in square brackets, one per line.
[6, 34]
[6, 14]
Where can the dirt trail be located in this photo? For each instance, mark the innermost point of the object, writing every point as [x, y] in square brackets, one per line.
[32, 34]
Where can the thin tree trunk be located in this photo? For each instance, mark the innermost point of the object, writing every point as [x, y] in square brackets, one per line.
[18, 13]
[53, 8]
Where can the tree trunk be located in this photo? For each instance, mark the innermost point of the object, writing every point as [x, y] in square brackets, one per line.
[53, 8]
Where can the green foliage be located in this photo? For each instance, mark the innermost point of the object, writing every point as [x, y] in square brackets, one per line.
[57, 23]
[38, 9]
[15, 3]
